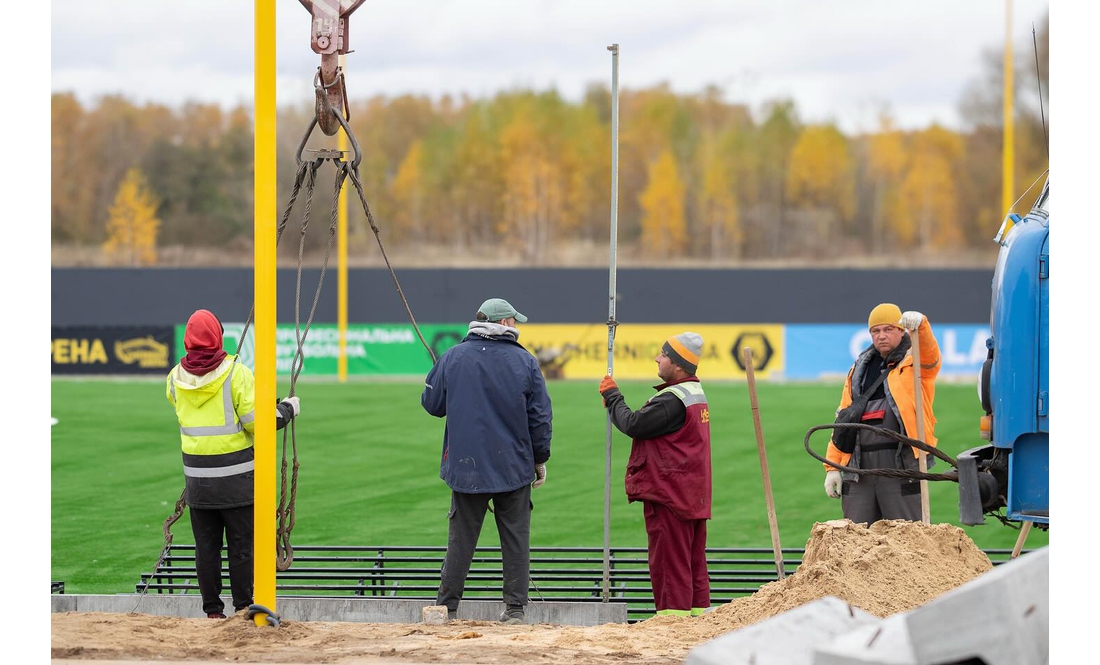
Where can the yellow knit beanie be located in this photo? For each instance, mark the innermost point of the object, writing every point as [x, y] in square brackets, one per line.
[885, 314]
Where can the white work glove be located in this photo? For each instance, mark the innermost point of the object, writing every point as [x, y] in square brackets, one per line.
[911, 320]
[832, 484]
[295, 406]
[540, 476]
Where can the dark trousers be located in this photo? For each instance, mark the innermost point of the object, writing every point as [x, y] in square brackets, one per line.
[512, 511]
[209, 525]
[677, 559]
[875, 498]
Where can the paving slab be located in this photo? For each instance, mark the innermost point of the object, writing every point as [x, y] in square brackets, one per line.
[1000, 618]
[785, 639]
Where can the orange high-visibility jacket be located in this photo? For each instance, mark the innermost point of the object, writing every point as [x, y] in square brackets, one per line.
[900, 390]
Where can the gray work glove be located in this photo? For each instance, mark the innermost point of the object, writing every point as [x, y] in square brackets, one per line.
[540, 476]
[832, 484]
[911, 320]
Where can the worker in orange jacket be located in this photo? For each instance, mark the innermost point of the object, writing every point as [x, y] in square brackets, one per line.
[891, 406]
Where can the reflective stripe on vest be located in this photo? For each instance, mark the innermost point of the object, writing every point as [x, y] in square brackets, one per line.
[218, 471]
[689, 393]
[229, 434]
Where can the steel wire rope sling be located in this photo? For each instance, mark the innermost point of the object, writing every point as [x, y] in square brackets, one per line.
[332, 114]
[952, 475]
[307, 173]
[889, 473]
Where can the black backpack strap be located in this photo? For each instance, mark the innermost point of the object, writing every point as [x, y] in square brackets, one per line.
[876, 384]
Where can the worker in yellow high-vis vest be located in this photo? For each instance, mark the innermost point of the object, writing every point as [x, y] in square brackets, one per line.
[213, 394]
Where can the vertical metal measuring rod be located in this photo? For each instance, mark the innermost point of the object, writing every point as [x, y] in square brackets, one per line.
[611, 322]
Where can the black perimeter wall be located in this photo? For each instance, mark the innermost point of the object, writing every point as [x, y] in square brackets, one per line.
[96, 296]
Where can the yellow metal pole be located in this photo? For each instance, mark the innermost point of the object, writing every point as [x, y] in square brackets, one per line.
[342, 261]
[264, 189]
[1008, 149]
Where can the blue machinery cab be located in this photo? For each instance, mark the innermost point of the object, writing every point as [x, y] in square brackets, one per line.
[1013, 471]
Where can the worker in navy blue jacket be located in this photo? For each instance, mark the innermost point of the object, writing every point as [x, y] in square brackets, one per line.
[495, 447]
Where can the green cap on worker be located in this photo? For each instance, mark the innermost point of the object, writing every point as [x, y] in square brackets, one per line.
[498, 309]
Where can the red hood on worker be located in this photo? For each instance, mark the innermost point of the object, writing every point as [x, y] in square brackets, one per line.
[203, 340]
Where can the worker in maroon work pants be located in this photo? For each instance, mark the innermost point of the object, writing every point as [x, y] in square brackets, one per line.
[669, 472]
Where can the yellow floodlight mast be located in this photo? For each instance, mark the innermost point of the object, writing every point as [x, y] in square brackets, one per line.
[342, 262]
[1008, 156]
[264, 189]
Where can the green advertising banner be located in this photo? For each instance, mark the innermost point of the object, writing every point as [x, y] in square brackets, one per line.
[372, 349]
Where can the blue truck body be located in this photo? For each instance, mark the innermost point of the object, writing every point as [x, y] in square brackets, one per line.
[1013, 471]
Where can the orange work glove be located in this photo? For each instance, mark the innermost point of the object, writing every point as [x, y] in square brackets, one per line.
[607, 384]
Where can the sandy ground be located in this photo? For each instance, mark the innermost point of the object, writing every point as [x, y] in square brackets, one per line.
[888, 568]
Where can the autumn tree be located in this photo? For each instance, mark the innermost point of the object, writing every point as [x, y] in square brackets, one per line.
[478, 179]
[407, 194]
[535, 186]
[888, 159]
[698, 176]
[774, 143]
[586, 168]
[717, 202]
[821, 179]
[132, 223]
[928, 215]
[664, 229]
[532, 190]
[70, 196]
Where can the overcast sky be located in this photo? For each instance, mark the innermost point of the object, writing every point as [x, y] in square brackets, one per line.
[839, 60]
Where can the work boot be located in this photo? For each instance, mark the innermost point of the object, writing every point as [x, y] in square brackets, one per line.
[512, 616]
[215, 615]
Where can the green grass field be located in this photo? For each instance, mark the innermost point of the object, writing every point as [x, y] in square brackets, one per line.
[369, 472]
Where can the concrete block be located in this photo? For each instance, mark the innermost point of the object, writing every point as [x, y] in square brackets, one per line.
[435, 615]
[884, 643]
[367, 609]
[785, 639]
[1000, 618]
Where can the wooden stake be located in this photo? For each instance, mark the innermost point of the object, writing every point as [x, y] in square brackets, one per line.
[1024, 530]
[918, 399]
[763, 463]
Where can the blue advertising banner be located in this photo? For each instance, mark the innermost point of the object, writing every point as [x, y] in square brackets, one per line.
[827, 351]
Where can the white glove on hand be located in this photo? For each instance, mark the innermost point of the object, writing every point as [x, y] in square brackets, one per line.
[294, 405]
[911, 320]
[540, 476]
[832, 484]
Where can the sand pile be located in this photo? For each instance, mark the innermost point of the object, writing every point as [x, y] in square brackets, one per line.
[891, 567]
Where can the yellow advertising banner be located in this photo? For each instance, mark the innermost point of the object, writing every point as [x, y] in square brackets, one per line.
[572, 351]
